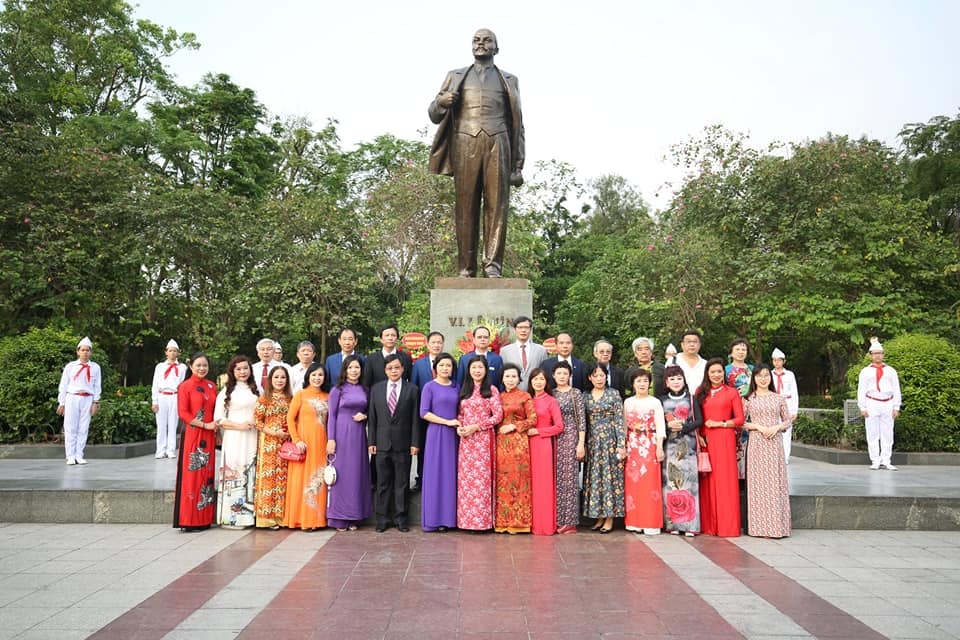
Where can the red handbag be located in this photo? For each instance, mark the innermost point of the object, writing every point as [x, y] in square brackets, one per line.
[289, 451]
[703, 457]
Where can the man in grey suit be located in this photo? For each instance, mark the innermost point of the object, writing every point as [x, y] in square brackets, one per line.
[480, 142]
[523, 352]
[393, 436]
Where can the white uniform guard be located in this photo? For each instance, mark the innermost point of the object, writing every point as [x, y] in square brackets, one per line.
[878, 396]
[167, 377]
[79, 390]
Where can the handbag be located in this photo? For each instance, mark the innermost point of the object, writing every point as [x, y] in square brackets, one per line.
[289, 451]
[330, 471]
[703, 461]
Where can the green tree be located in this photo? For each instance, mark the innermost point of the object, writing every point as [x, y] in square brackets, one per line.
[214, 135]
[70, 238]
[933, 169]
[817, 240]
[62, 59]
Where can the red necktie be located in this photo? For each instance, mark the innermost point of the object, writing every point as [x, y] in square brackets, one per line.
[879, 368]
[779, 382]
[392, 398]
[523, 356]
[83, 367]
[263, 377]
[171, 368]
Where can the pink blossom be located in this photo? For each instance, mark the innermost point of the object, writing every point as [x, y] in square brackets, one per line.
[650, 247]
[27, 221]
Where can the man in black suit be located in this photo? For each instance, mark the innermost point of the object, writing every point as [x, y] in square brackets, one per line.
[578, 376]
[373, 367]
[603, 352]
[393, 433]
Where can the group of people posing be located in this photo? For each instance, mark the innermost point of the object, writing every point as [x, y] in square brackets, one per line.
[515, 442]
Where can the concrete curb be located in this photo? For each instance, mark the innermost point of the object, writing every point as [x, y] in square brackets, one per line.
[92, 451]
[843, 457]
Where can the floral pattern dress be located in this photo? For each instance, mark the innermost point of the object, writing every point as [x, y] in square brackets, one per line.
[681, 480]
[603, 480]
[768, 490]
[475, 461]
[238, 458]
[739, 378]
[514, 494]
[568, 467]
[196, 494]
[270, 487]
[642, 484]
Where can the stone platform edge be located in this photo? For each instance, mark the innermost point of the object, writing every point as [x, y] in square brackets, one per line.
[92, 451]
[474, 284]
[845, 457]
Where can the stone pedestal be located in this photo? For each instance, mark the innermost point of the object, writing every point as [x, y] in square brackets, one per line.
[459, 304]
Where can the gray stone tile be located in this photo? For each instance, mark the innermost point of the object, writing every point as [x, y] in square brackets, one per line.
[759, 624]
[824, 588]
[219, 619]
[809, 573]
[9, 596]
[18, 618]
[27, 580]
[53, 634]
[947, 624]
[89, 618]
[905, 627]
[864, 605]
[925, 607]
[201, 634]
[241, 598]
[126, 598]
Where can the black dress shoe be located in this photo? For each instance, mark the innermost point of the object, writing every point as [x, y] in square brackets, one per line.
[402, 528]
[381, 529]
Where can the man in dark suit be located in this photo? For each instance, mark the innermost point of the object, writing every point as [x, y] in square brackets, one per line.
[578, 377]
[348, 341]
[393, 431]
[481, 347]
[422, 374]
[603, 352]
[373, 367]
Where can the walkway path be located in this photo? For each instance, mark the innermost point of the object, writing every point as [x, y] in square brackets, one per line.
[150, 581]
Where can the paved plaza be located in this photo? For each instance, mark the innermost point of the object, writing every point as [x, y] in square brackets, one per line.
[128, 581]
[150, 581]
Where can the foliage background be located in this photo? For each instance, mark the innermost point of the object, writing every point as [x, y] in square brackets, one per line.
[134, 209]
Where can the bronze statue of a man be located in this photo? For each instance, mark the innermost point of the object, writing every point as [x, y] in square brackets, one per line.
[480, 143]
